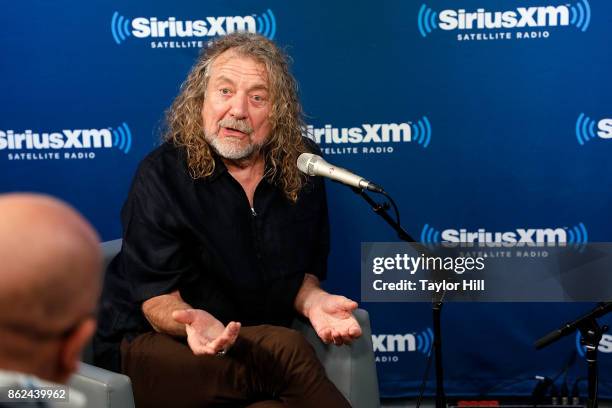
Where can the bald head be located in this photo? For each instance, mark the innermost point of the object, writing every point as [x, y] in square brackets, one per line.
[50, 270]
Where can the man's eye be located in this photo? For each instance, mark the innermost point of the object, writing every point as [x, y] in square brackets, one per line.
[225, 91]
[258, 98]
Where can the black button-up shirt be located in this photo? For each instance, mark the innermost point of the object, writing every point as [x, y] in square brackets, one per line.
[203, 238]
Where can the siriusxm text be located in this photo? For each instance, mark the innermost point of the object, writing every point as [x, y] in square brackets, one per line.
[549, 16]
[143, 27]
[65, 139]
[530, 236]
[367, 133]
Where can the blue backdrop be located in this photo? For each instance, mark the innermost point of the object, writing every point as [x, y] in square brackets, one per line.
[493, 118]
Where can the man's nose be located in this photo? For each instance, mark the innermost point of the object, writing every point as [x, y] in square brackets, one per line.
[239, 106]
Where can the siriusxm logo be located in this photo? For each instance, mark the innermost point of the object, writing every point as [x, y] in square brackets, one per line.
[576, 235]
[392, 343]
[577, 14]
[585, 129]
[119, 138]
[605, 344]
[419, 132]
[152, 27]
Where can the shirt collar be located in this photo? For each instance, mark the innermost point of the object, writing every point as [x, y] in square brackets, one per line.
[221, 169]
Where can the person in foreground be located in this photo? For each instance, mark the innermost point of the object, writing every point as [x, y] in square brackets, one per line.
[225, 242]
[51, 265]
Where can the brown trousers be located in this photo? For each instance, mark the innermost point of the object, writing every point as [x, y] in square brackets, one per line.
[268, 366]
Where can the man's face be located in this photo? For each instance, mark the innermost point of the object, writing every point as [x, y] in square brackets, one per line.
[236, 107]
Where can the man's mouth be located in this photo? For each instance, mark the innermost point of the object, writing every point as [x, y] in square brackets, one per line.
[228, 131]
[235, 127]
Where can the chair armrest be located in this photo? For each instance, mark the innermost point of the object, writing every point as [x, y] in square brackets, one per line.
[103, 388]
[351, 368]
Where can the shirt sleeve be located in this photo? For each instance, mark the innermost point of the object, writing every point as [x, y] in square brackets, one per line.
[153, 255]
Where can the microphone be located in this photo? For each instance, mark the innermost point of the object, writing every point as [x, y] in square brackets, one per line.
[314, 165]
[568, 328]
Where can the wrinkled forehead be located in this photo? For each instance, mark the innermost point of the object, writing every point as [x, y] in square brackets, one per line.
[233, 61]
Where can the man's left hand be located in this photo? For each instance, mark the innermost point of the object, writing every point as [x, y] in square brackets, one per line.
[332, 318]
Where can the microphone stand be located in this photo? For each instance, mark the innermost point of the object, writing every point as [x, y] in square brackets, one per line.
[591, 336]
[381, 210]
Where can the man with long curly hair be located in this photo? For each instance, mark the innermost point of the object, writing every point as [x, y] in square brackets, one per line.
[225, 242]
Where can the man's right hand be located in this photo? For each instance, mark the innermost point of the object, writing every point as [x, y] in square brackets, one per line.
[205, 334]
